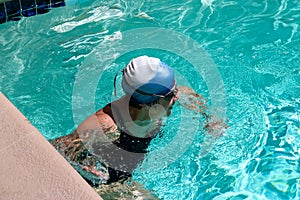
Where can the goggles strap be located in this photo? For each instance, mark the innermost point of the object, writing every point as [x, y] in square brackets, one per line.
[115, 83]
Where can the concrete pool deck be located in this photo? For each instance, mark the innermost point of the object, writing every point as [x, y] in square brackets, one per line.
[30, 168]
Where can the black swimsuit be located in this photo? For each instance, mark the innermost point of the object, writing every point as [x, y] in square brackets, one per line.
[79, 155]
[128, 143]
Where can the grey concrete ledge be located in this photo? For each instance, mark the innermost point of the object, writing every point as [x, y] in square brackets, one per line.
[30, 168]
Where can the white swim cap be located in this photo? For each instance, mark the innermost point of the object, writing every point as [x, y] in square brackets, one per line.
[145, 76]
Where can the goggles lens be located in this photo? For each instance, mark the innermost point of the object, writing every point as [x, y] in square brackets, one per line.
[171, 94]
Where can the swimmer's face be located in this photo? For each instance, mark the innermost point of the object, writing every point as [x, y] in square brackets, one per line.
[168, 103]
[164, 106]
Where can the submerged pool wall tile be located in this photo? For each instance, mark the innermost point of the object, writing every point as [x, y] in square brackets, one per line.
[13, 10]
[30, 168]
[2, 14]
[28, 8]
[43, 6]
[57, 3]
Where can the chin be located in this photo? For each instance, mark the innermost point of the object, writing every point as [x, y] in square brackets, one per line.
[169, 112]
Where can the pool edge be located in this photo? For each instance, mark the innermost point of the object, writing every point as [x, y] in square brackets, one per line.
[30, 167]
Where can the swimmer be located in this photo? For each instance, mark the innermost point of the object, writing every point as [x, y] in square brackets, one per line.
[130, 123]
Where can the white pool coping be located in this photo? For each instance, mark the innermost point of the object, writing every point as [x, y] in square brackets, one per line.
[30, 168]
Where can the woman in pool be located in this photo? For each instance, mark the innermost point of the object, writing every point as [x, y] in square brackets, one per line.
[127, 124]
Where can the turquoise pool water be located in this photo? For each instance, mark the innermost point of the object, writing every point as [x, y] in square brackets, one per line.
[255, 46]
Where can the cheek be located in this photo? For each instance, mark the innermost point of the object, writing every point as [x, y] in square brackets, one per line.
[173, 101]
[176, 97]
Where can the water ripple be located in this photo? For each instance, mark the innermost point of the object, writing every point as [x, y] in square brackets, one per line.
[95, 15]
[255, 45]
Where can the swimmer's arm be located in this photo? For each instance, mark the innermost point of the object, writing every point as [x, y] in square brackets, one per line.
[196, 102]
[107, 125]
[191, 100]
[95, 125]
[74, 147]
[92, 126]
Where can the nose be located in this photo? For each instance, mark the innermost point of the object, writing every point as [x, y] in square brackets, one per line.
[176, 97]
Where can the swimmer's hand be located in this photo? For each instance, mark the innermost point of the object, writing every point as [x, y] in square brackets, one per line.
[196, 102]
[93, 170]
[191, 100]
[216, 128]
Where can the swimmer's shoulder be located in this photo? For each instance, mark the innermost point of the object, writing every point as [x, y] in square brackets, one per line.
[100, 120]
[105, 119]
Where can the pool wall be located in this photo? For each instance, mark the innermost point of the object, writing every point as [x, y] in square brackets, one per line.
[31, 169]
